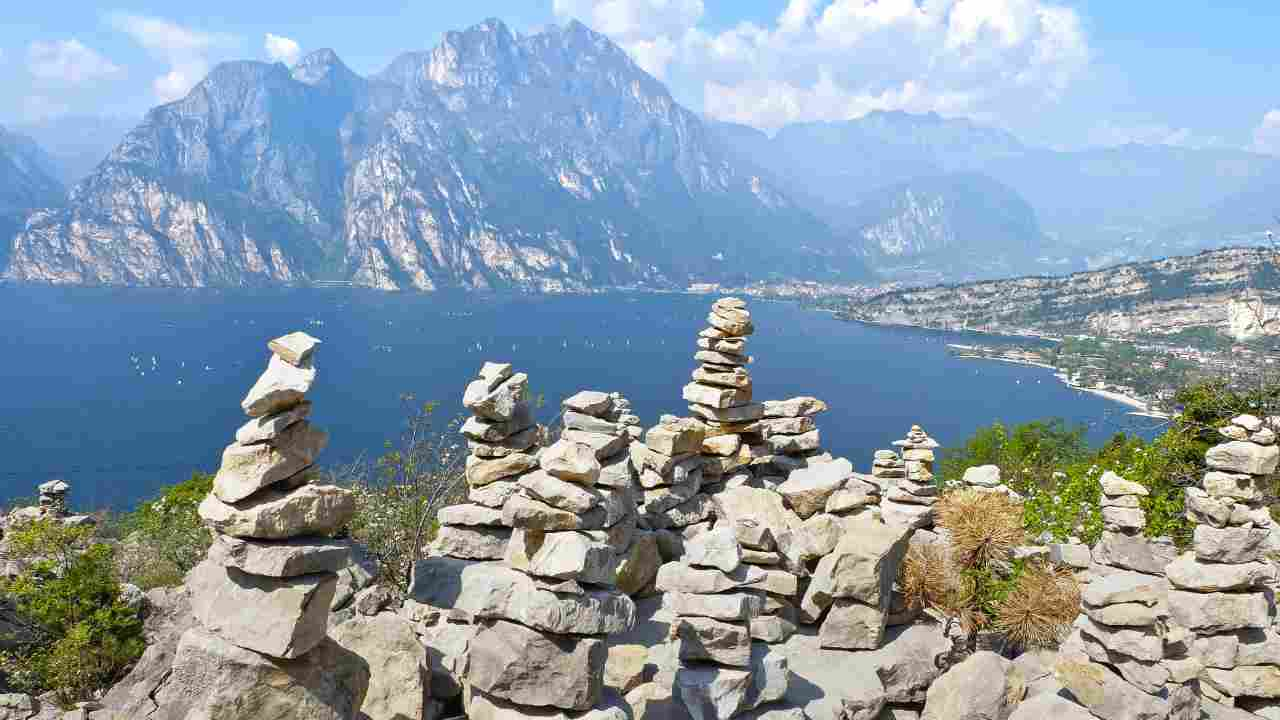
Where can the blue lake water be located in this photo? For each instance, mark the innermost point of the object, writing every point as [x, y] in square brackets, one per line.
[121, 391]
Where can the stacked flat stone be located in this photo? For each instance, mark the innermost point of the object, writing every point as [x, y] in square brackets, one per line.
[502, 443]
[269, 578]
[720, 394]
[1222, 588]
[720, 672]
[910, 491]
[668, 468]
[53, 497]
[986, 478]
[789, 438]
[1122, 544]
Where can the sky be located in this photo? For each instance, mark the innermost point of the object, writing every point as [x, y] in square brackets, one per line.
[1057, 73]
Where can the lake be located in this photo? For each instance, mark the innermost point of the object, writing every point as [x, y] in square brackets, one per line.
[122, 391]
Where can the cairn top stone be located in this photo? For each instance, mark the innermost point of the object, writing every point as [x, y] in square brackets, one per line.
[54, 487]
[1252, 423]
[296, 348]
[1113, 485]
[982, 476]
[732, 303]
[494, 373]
[589, 402]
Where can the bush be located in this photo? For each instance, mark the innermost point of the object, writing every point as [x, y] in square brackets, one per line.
[165, 538]
[79, 636]
[398, 496]
[1028, 455]
[1039, 608]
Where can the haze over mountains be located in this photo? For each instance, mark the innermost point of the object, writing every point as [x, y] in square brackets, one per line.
[552, 161]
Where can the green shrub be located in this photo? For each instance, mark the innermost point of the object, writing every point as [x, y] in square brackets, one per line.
[79, 636]
[398, 495]
[165, 538]
[1027, 454]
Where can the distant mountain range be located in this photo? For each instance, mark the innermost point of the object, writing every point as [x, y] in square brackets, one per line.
[543, 162]
[552, 161]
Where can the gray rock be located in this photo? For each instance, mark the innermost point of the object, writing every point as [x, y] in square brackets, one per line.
[518, 442]
[446, 651]
[733, 607]
[862, 567]
[704, 638]
[470, 514]
[806, 490]
[573, 497]
[1243, 457]
[1230, 544]
[269, 427]
[571, 461]
[1135, 552]
[617, 471]
[1070, 555]
[212, 678]
[492, 591]
[472, 543]
[525, 667]
[1209, 613]
[1126, 587]
[716, 549]
[675, 438]
[638, 566]
[247, 469]
[17, 706]
[280, 558]
[854, 495]
[494, 431]
[497, 402]
[276, 515]
[709, 692]
[982, 476]
[1259, 681]
[603, 446]
[851, 625]
[565, 555]
[976, 689]
[526, 512]
[279, 388]
[591, 402]
[1231, 486]
[793, 407]
[574, 420]
[481, 472]
[1137, 643]
[280, 617]
[1106, 695]
[1049, 707]
[1113, 484]
[1187, 573]
[1204, 509]
[296, 348]
[399, 677]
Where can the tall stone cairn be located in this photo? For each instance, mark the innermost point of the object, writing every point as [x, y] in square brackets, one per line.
[909, 491]
[268, 580]
[502, 443]
[1223, 589]
[720, 394]
[561, 527]
[1124, 642]
[713, 597]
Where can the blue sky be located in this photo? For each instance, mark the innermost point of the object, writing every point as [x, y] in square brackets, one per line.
[1065, 73]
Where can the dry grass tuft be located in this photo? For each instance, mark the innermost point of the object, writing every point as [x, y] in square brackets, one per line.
[930, 579]
[1040, 608]
[984, 526]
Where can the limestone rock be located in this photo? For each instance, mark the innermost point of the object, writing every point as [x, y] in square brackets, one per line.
[497, 402]
[280, 617]
[571, 461]
[470, 514]
[295, 348]
[675, 438]
[279, 388]
[490, 590]
[526, 512]
[591, 402]
[564, 555]
[1113, 485]
[709, 692]
[246, 469]
[851, 625]
[1049, 707]
[472, 543]
[398, 670]
[269, 427]
[862, 567]
[976, 689]
[1106, 695]
[703, 638]
[212, 678]
[734, 607]
[1230, 544]
[982, 476]
[1209, 613]
[1231, 486]
[275, 515]
[481, 472]
[1125, 587]
[638, 567]
[717, 549]
[806, 490]
[562, 494]
[526, 667]
[626, 667]
[1186, 573]
[793, 407]
[495, 431]
[1243, 457]
[280, 558]
[1261, 681]
[1135, 552]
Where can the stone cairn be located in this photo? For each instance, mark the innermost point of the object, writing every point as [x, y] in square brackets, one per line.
[502, 443]
[268, 580]
[713, 597]
[720, 394]
[669, 471]
[1124, 652]
[909, 490]
[1223, 589]
[560, 525]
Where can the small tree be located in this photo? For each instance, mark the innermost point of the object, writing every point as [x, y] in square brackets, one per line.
[165, 537]
[399, 494]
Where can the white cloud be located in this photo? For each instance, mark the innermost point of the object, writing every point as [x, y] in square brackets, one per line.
[1266, 137]
[836, 59]
[185, 51]
[282, 49]
[67, 62]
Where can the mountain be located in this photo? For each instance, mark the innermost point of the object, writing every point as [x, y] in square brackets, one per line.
[1216, 289]
[1098, 206]
[27, 181]
[77, 143]
[547, 161]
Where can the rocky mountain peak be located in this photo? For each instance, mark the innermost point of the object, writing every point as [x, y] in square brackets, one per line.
[324, 69]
